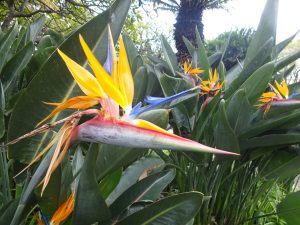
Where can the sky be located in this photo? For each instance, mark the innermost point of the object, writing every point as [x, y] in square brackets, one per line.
[240, 14]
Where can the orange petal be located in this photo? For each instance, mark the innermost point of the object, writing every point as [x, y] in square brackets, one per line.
[106, 81]
[86, 81]
[64, 210]
[79, 102]
[125, 80]
[283, 89]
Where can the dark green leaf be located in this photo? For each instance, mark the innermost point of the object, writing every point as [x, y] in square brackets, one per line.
[285, 61]
[148, 188]
[113, 157]
[204, 116]
[289, 208]
[133, 173]
[257, 83]
[262, 54]
[7, 212]
[176, 210]
[239, 111]
[271, 140]
[202, 57]
[6, 43]
[266, 29]
[269, 124]
[225, 138]
[90, 207]
[280, 46]
[159, 117]
[169, 55]
[16, 64]
[109, 182]
[28, 190]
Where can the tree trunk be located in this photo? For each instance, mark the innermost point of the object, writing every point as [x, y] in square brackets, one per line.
[188, 18]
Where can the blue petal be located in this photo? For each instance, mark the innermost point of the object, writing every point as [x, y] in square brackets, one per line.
[45, 218]
[294, 96]
[108, 63]
[162, 101]
[135, 110]
[157, 102]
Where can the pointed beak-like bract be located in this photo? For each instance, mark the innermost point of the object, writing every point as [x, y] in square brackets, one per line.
[137, 134]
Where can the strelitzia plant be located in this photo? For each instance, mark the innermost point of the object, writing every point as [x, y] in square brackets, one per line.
[113, 92]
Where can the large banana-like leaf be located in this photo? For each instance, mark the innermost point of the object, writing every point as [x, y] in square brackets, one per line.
[54, 83]
[148, 188]
[176, 210]
[289, 208]
[266, 29]
[90, 206]
[132, 174]
[225, 136]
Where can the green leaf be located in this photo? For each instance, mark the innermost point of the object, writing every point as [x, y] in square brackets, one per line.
[262, 54]
[202, 57]
[2, 97]
[2, 123]
[140, 84]
[6, 43]
[112, 157]
[132, 174]
[148, 188]
[256, 84]
[285, 61]
[271, 140]
[269, 124]
[169, 55]
[289, 208]
[280, 46]
[109, 182]
[28, 190]
[191, 49]
[170, 86]
[159, 117]
[239, 111]
[7, 211]
[36, 27]
[16, 64]
[90, 206]
[54, 83]
[283, 165]
[176, 210]
[204, 117]
[225, 138]
[266, 29]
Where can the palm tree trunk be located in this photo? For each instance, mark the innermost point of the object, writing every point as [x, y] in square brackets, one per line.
[188, 18]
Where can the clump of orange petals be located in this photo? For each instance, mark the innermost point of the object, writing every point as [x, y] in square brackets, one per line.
[190, 71]
[212, 86]
[280, 93]
[61, 213]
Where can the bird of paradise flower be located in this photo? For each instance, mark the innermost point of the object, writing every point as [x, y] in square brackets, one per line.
[112, 91]
[277, 96]
[62, 213]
